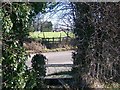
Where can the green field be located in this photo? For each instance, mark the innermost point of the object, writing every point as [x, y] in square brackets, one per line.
[39, 35]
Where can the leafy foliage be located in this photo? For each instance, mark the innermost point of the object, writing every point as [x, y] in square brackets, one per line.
[36, 73]
[38, 62]
[16, 17]
[38, 7]
[15, 21]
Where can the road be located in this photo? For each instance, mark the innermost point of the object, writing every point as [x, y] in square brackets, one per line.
[63, 57]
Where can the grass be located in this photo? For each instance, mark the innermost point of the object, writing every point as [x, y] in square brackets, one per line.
[37, 36]
[49, 34]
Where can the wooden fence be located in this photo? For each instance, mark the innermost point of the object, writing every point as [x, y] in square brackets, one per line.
[59, 65]
[55, 41]
[104, 71]
[52, 40]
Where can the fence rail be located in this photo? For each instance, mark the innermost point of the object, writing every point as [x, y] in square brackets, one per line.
[56, 68]
[59, 65]
[55, 39]
[52, 40]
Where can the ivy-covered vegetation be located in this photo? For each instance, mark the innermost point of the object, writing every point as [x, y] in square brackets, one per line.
[38, 62]
[36, 73]
[15, 23]
[98, 55]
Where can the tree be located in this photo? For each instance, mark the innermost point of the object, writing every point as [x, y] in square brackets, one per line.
[43, 26]
[47, 27]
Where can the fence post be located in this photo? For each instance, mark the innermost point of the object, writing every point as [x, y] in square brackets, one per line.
[48, 39]
[60, 38]
[53, 39]
[43, 34]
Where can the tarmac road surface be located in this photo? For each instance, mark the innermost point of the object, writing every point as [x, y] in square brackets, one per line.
[63, 57]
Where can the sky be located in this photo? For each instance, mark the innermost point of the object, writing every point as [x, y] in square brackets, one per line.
[55, 15]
